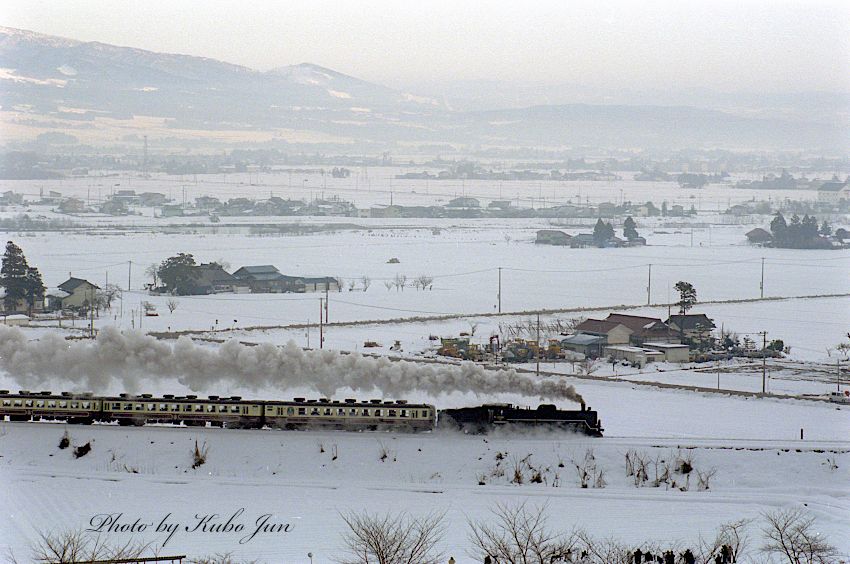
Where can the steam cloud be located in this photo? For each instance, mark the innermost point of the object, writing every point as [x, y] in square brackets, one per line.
[130, 357]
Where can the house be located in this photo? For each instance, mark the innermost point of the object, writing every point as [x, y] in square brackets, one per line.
[211, 278]
[645, 328]
[171, 210]
[72, 205]
[583, 240]
[500, 205]
[152, 199]
[691, 325]
[321, 284]
[463, 202]
[18, 306]
[635, 242]
[264, 279]
[635, 355]
[759, 236]
[126, 197]
[588, 345]
[673, 352]
[113, 207]
[81, 293]
[834, 191]
[614, 333]
[552, 237]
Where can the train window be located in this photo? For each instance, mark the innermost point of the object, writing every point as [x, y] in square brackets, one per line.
[28, 403]
[39, 403]
[290, 411]
[187, 407]
[327, 411]
[51, 403]
[403, 413]
[210, 408]
[222, 409]
[234, 409]
[175, 407]
[199, 407]
[7, 403]
[151, 407]
[340, 411]
[391, 413]
[116, 405]
[18, 403]
[163, 407]
[366, 412]
[352, 412]
[128, 406]
[302, 411]
[86, 404]
[140, 407]
[377, 413]
[74, 405]
[62, 404]
[314, 411]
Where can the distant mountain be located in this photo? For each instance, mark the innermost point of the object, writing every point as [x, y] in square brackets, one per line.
[70, 83]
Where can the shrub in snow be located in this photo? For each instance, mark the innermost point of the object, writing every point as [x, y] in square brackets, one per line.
[82, 450]
[199, 455]
[65, 441]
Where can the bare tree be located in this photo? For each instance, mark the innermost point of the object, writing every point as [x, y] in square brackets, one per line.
[791, 535]
[520, 535]
[222, 263]
[393, 539]
[172, 305]
[423, 281]
[730, 543]
[351, 285]
[77, 545]
[389, 284]
[400, 281]
[365, 282]
[152, 270]
[108, 294]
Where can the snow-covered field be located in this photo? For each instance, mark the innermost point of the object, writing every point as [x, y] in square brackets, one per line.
[754, 443]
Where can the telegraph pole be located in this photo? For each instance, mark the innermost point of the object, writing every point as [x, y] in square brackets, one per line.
[538, 344]
[761, 284]
[764, 362]
[649, 286]
[327, 286]
[499, 294]
[129, 272]
[321, 324]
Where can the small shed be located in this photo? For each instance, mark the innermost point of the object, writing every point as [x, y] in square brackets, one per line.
[16, 319]
[673, 352]
[759, 236]
[635, 355]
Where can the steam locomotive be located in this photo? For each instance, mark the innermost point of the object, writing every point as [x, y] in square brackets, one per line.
[300, 413]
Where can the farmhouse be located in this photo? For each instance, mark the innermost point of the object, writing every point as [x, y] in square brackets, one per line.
[645, 328]
[552, 237]
[267, 279]
[691, 325]
[613, 332]
[80, 294]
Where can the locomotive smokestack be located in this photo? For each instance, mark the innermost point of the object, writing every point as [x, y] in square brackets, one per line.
[582, 406]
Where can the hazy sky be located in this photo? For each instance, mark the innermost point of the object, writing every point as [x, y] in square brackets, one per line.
[732, 46]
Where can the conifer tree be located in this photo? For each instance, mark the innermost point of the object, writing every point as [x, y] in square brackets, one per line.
[13, 276]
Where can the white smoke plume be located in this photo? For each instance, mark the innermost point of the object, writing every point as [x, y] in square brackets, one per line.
[126, 358]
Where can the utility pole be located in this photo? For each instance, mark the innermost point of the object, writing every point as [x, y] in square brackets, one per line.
[321, 324]
[327, 285]
[499, 294]
[764, 362]
[761, 284]
[649, 286]
[538, 344]
[838, 374]
[129, 272]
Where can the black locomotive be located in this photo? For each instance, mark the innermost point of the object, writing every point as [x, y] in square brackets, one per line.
[486, 417]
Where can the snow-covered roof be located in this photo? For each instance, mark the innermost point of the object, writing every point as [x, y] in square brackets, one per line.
[56, 293]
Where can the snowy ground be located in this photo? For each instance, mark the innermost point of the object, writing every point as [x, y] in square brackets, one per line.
[753, 442]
